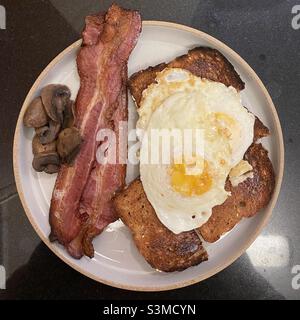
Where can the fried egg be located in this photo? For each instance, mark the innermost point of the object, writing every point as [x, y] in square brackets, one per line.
[184, 190]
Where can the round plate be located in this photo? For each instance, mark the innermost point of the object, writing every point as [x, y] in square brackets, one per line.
[117, 261]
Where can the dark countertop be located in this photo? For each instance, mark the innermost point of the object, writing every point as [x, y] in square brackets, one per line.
[261, 32]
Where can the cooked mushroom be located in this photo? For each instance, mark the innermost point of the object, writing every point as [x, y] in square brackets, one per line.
[69, 115]
[37, 147]
[68, 144]
[51, 168]
[55, 97]
[41, 131]
[48, 134]
[46, 161]
[35, 115]
[45, 156]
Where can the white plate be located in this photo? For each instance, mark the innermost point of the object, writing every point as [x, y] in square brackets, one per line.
[117, 261]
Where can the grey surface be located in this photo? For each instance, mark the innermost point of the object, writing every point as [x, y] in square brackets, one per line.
[261, 32]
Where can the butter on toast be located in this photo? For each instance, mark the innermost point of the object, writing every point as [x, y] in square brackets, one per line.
[163, 249]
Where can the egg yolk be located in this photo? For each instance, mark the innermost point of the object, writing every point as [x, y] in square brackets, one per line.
[189, 185]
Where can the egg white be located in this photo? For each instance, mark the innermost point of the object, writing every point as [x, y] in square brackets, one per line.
[180, 100]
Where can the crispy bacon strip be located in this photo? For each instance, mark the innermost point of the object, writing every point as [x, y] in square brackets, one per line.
[107, 44]
[102, 184]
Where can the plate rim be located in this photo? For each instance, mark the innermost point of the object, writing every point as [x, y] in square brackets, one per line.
[227, 50]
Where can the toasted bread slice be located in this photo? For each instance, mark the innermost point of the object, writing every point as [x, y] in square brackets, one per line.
[201, 61]
[211, 64]
[163, 249]
[246, 199]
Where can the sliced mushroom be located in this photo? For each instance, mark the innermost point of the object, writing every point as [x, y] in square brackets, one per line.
[69, 115]
[68, 144]
[35, 115]
[48, 134]
[46, 161]
[52, 168]
[37, 147]
[55, 97]
[41, 131]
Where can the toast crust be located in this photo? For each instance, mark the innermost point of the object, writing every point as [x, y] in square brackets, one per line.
[161, 248]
